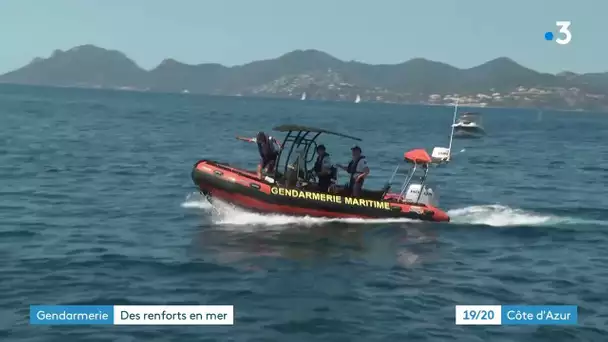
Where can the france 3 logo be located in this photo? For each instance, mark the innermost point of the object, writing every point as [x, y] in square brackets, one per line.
[564, 29]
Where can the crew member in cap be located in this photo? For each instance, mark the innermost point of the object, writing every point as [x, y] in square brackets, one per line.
[324, 169]
[358, 171]
[269, 148]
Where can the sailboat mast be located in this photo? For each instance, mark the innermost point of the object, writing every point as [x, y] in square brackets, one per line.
[452, 133]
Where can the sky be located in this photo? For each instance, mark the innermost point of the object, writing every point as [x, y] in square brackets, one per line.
[463, 33]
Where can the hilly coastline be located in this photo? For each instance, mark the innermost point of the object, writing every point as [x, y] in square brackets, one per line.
[498, 83]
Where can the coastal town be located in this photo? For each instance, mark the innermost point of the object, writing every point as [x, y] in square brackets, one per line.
[330, 86]
[523, 97]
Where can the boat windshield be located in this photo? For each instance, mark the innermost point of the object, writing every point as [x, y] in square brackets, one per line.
[468, 118]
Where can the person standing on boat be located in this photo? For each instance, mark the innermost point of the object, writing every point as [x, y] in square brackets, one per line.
[269, 148]
[324, 169]
[358, 171]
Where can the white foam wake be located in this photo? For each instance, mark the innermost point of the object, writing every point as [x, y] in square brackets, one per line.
[498, 216]
[226, 214]
[494, 215]
[196, 200]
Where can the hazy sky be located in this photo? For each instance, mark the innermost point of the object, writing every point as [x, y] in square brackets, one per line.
[463, 33]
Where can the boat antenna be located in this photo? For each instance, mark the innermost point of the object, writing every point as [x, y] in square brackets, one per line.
[452, 133]
[442, 155]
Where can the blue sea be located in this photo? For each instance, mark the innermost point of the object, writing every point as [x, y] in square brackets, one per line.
[97, 207]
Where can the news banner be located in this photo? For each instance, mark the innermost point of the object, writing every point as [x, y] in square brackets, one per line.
[224, 315]
[516, 314]
[132, 314]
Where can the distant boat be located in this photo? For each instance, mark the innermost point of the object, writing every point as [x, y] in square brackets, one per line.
[303, 96]
[358, 99]
[469, 125]
[185, 91]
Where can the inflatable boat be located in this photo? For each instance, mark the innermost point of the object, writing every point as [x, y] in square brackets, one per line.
[291, 188]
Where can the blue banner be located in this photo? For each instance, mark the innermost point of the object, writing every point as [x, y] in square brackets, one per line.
[71, 314]
[539, 314]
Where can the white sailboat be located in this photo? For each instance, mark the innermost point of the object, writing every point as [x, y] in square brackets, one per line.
[303, 96]
[358, 99]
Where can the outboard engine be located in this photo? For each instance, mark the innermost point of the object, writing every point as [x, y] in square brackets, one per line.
[440, 154]
[427, 197]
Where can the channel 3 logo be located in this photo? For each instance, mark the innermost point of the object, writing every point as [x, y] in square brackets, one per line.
[564, 28]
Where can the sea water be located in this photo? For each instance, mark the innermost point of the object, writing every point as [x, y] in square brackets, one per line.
[97, 207]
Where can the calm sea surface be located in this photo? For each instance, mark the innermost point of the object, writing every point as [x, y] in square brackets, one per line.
[97, 207]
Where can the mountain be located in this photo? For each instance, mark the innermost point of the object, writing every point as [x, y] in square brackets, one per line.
[504, 74]
[85, 66]
[171, 75]
[313, 71]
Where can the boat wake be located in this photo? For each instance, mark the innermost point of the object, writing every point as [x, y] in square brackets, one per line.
[226, 214]
[493, 215]
[497, 215]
